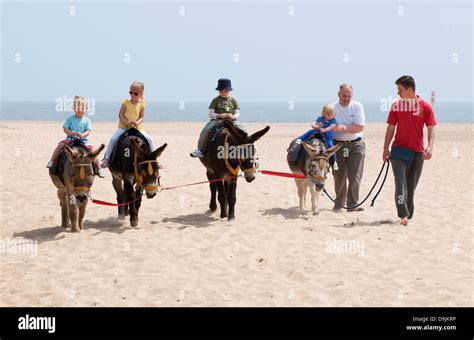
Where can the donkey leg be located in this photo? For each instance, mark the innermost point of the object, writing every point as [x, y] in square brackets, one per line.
[73, 214]
[120, 197]
[305, 191]
[299, 185]
[231, 198]
[221, 198]
[82, 213]
[130, 196]
[64, 213]
[314, 199]
[213, 187]
[138, 203]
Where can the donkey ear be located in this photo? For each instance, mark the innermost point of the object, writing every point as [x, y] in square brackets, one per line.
[137, 146]
[157, 153]
[259, 134]
[309, 149]
[94, 153]
[70, 153]
[331, 151]
[233, 130]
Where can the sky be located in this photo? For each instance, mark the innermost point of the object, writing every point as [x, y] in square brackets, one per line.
[273, 51]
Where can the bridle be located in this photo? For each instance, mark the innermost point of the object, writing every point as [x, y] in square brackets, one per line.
[234, 171]
[322, 166]
[82, 176]
[139, 177]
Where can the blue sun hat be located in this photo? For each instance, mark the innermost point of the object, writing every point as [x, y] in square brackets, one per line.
[224, 84]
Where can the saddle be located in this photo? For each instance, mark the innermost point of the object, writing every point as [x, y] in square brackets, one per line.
[128, 132]
[215, 132]
[221, 126]
[297, 149]
[76, 143]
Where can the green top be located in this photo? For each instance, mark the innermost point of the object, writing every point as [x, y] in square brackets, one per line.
[224, 105]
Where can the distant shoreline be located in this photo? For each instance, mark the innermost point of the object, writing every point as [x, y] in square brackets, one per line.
[202, 122]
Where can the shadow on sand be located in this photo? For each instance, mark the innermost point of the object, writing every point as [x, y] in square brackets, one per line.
[191, 220]
[41, 235]
[291, 213]
[359, 223]
[109, 225]
[47, 234]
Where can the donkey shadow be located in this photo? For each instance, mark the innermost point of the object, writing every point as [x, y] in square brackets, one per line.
[191, 220]
[107, 225]
[359, 223]
[293, 213]
[41, 235]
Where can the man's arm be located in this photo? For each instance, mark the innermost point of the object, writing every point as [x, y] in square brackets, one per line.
[431, 139]
[388, 138]
[354, 128]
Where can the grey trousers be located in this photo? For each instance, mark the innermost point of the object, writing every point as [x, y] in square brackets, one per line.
[350, 160]
[406, 178]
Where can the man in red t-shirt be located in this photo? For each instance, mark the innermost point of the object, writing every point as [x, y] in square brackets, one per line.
[408, 116]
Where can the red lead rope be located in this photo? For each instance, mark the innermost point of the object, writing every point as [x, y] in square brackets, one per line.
[93, 200]
[202, 182]
[265, 172]
[282, 174]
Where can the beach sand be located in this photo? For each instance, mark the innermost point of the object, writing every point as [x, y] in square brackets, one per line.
[271, 255]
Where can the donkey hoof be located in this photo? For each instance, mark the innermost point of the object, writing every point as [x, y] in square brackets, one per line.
[315, 212]
[223, 215]
[133, 223]
[121, 217]
[230, 218]
[77, 230]
[212, 207]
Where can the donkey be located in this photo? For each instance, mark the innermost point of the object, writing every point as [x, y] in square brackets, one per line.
[134, 164]
[73, 181]
[220, 163]
[313, 162]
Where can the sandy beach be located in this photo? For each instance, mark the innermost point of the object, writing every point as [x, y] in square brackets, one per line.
[271, 255]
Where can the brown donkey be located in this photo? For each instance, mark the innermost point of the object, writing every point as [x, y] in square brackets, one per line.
[73, 181]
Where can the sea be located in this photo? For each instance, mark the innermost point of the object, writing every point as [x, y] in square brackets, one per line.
[298, 112]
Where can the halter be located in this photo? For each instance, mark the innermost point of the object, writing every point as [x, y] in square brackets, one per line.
[139, 177]
[322, 160]
[227, 164]
[82, 175]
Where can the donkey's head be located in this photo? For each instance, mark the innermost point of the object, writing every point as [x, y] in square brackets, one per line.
[81, 173]
[317, 162]
[247, 153]
[146, 168]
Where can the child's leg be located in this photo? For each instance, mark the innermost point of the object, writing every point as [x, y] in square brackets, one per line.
[306, 135]
[113, 140]
[149, 140]
[330, 144]
[204, 136]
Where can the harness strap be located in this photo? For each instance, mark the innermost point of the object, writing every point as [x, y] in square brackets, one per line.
[227, 164]
[82, 188]
[139, 177]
